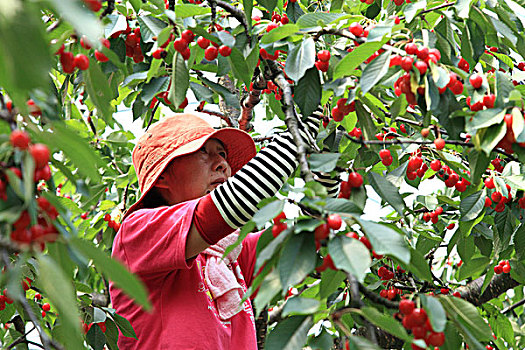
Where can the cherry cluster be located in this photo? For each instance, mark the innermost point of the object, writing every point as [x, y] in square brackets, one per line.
[271, 88]
[433, 215]
[342, 109]
[25, 230]
[4, 299]
[355, 180]
[323, 59]
[115, 225]
[417, 57]
[502, 267]
[496, 196]
[417, 321]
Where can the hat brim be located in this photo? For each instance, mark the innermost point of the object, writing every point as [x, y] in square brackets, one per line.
[239, 145]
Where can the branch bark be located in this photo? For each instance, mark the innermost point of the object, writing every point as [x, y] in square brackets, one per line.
[497, 286]
[252, 100]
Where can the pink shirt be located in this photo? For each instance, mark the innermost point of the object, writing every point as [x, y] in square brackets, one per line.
[151, 242]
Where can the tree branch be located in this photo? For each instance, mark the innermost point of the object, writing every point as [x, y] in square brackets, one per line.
[291, 119]
[236, 13]
[249, 102]
[216, 114]
[497, 286]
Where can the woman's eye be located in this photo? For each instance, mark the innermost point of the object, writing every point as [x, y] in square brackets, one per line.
[222, 154]
[203, 149]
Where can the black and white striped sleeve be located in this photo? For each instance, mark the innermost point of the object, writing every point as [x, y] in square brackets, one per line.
[237, 199]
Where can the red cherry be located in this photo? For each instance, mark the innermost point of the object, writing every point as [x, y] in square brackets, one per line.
[506, 268]
[85, 43]
[46, 307]
[420, 316]
[203, 42]
[439, 210]
[489, 100]
[419, 332]
[422, 53]
[334, 221]
[411, 48]
[321, 232]
[180, 45]
[211, 53]
[421, 66]
[67, 60]
[488, 202]
[271, 26]
[337, 114]
[475, 80]
[496, 196]
[435, 339]
[489, 183]
[278, 228]
[19, 139]
[100, 56]
[406, 307]
[439, 143]
[414, 163]
[188, 36]
[498, 269]
[464, 65]
[355, 179]
[159, 53]
[384, 153]
[281, 216]
[84, 216]
[397, 20]
[395, 60]
[322, 66]
[81, 61]
[356, 29]
[407, 63]
[324, 55]
[435, 165]
[40, 154]
[225, 50]
[457, 88]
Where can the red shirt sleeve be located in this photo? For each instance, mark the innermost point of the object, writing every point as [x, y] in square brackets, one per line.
[153, 241]
[248, 257]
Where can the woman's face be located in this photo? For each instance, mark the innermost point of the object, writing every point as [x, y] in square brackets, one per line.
[196, 174]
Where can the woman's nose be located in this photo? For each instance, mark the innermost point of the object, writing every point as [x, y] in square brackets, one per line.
[221, 165]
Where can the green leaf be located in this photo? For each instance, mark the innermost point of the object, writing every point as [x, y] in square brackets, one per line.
[308, 91]
[419, 265]
[181, 80]
[20, 68]
[62, 296]
[492, 136]
[385, 321]
[387, 191]
[150, 27]
[350, 255]
[374, 71]
[505, 227]
[312, 19]
[99, 91]
[435, 312]
[268, 4]
[267, 290]
[201, 93]
[411, 9]
[300, 306]
[485, 118]
[325, 162]
[267, 213]
[464, 313]
[280, 33]
[360, 343]
[297, 259]
[81, 18]
[114, 271]
[96, 338]
[248, 7]
[479, 162]
[462, 8]
[330, 281]
[123, 324]
[519, 242]
[353, 59]
[289, 334]
[503, 87]
[385, 240]
[472, 205]
[270, 249]
[190, 10]
[239, 66]
[301, 57]
[365, 120]
[341, 205]
[231, 99]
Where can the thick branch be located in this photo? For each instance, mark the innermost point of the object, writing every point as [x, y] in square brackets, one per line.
[497, 286]
[252, 100]
[291, 119]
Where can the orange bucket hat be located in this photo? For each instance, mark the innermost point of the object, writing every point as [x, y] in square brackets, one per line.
[179, 135]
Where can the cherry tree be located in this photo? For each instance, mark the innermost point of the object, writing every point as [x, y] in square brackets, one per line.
[423, 109]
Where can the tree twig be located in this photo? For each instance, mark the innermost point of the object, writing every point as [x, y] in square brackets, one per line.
[236, 13]
[513, 306]
[216, 114]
